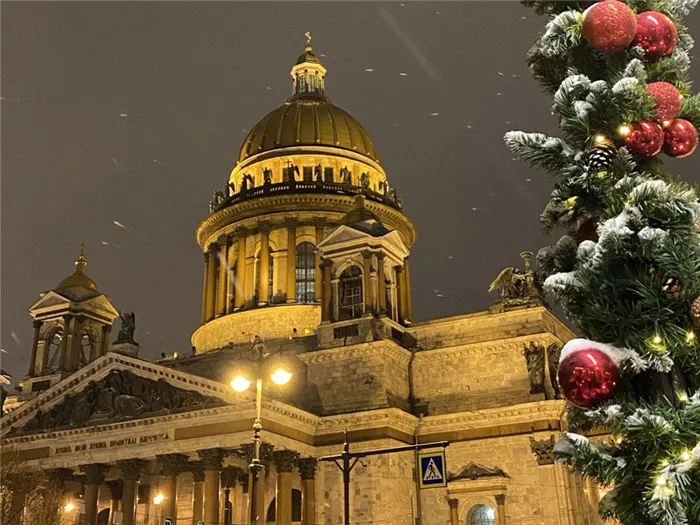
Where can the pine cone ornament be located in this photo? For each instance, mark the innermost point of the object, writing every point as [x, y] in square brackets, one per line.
[672, 286]
[695, 312]
[601, 156]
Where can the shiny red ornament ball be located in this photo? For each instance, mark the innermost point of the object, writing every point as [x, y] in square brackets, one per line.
[588, 376]
[681, 138]
[656, 34]
[609, 26]
[668, 100]
[644, 138]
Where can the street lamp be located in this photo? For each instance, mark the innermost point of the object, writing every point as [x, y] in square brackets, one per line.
[69, 507]
[158, 498]
[279, 376]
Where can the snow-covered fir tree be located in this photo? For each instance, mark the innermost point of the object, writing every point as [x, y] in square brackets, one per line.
[627, 269]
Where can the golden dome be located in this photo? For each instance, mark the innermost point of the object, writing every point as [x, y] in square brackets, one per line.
[311, 121]
[308, 118]
[78, 279]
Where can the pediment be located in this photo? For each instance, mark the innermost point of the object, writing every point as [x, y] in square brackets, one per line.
[342, 235]
[51, 301]
[473, 471]
[114, 388]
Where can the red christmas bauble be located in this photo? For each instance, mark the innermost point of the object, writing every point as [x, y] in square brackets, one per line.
[668, 100]
[681, 138]
[588, 376]
[656, 34]
[609, 26]
[644, 138]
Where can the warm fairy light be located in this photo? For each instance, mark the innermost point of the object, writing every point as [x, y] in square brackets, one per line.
[618, 440]
[690, 336]
[158, 498]
[240, 383]
[69, 507]
[624, 130]
[600, 139]
[683, 397]
[657, 339]
[685, 455]
[661, 480]
[281, 376]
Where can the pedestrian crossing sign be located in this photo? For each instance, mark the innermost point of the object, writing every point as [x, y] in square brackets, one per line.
[432, 469]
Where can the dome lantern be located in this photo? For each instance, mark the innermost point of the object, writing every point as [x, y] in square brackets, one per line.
[308, 74]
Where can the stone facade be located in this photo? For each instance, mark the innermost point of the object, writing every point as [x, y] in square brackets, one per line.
[319, 269]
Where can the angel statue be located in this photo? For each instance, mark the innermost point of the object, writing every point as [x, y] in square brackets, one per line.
[517, 287]
[128, 325]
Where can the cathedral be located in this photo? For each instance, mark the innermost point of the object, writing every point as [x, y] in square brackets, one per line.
[306, 314]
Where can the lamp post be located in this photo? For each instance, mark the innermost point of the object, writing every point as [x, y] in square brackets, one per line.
[280, 376]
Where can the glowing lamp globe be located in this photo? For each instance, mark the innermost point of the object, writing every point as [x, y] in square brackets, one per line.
[69, 507]
[588, 373]
[240, 384]
[158, 498]
[281, 376]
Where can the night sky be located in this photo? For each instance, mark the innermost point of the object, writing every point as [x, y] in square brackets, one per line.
[134, 112]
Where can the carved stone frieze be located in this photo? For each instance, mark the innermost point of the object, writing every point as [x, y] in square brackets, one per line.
[543, 450]
[197, 470]
[121, 395]
[553, 355]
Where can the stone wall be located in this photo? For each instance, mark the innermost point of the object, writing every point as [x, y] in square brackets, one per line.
[361, 377]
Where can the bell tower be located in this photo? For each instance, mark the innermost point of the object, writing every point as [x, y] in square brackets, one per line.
[72, 324]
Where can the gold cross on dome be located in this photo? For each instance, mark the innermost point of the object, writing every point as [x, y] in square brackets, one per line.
[308, 38]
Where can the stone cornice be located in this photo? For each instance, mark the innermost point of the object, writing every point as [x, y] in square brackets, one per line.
[382, 418]
[384, 347]
[333, 207]
[488, 347]
[545, 411]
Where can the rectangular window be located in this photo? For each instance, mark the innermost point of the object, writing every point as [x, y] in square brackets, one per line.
[308, 174]
[328, 174]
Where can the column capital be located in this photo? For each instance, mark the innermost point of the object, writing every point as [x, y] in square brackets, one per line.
[285, 460]
[197, 470]
[500, 499]
[222, 240]
[231, 475]
[264, 226]
[307, 467]
[212, 458]
[212, 248]
[319, 222]
[131, 468]
[36, 324]
[325, 263]
[367, 254]
[240, 232]
[94, 473]
[453, 503]
[398, 269]
[291, 222]
[116, 488]
[172, 464]
[380, 255]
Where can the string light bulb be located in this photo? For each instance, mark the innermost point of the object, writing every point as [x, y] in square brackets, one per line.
[624, 130]
[661, 480]
[657, 339]
[682, 397]
[69, 507]
[600, 139]
[685, 455]
[690, 336]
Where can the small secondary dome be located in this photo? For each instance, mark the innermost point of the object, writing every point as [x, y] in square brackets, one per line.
[78, 279]
[308, 118]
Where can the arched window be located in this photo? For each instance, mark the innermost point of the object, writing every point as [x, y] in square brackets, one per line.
[350, 291]
[306, 273]
[481, 515]
[86, 349]
[53, 350]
